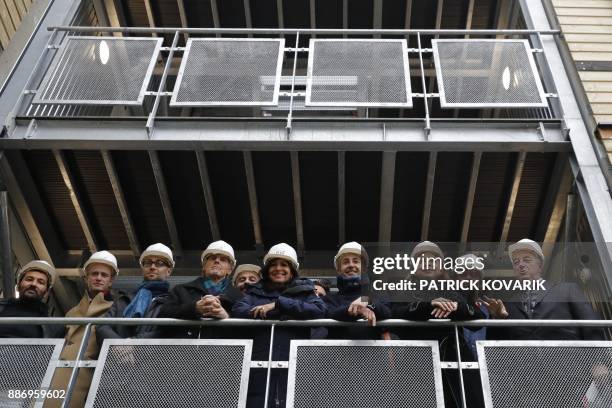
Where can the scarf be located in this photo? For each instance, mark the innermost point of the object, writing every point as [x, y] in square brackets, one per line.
[146, 292]
[350, 284]
[215, 288]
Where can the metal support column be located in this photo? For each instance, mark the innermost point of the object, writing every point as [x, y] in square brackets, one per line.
[6, 255]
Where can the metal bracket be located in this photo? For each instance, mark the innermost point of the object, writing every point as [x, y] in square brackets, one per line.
[82, 363]
[470, 365]
[273, 364]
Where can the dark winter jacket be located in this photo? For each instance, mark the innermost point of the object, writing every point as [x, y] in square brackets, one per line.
[13, 307]
[122, 300]
[181, 304]
[337, 309]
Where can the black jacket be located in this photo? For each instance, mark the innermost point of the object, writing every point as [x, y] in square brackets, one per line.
[337, 309]
[559, 301]
[122, 300]
[13, 307]
[181, 304]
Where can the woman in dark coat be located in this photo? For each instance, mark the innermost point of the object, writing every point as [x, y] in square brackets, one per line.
[280, 295]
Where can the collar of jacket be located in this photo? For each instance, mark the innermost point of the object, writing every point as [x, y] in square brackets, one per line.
[38, 305]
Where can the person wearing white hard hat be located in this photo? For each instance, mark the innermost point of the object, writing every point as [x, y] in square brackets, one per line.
[98, 272]
[280, 295]
[246, 274]
[209, 295]
[34, 282]
[156, 263]
[350, 302]
[562, 300]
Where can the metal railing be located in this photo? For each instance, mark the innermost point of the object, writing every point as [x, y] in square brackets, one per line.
[26, 111]
[232, 322]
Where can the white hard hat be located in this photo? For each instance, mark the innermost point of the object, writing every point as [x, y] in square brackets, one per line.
[527, 245]
[348, 248]
[426, 246]
[102, 257]
[219, 248]
[40, 266]
[282, 251]
[475, 261]
[159, 250]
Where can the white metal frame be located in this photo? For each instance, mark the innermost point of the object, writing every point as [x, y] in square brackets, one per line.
[52, 72]
[246, 362]
[433, 345]
[440, 77]
[408, 90]
[185, 62]
[482, 360]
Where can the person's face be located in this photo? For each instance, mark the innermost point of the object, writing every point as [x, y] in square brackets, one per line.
[430, 267]
[471, 275]
[526, 264]
[33, 285]
[217, 267]
[154, 268]
[280, 271]
[319, 290]
[350, 265]
[246, 277]
[99, 277]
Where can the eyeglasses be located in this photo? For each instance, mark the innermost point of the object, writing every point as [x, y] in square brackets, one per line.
[158, 264]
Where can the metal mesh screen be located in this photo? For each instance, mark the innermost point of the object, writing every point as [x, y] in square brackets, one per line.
[229, 71]
[546, 374]
[171, 373]
[366, 374]
[358, 73]
[487, 73]
[25, 365]
[100, 71]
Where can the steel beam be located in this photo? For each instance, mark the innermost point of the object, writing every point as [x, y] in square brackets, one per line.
[387, 185]
[469, 204]
[313, 15]
[518, 173]
[183, 15]
[559, 181]
[271, 135]
[214, 10]
[208, 195]
[341, 197]
[250, 176]
[297, 199]
[279, 12]
[247, 15]
[76, 200]
[6, 263]
[121, 202]
[165, 201]
[150, 16]
[377, 16]
[431, 175]
[345, 15]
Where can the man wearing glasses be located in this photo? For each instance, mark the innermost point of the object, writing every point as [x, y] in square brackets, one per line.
[156, 263]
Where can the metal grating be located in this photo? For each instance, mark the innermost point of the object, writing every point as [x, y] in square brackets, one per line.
[369, 373]
[551, 374]
[487, 73]
[171, 373]
[26, 364]
[100, 71]
[353, 72]
[229, 72]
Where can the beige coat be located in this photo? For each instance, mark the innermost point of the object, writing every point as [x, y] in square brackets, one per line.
[74, 334]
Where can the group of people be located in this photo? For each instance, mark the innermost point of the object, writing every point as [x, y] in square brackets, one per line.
[275, 291]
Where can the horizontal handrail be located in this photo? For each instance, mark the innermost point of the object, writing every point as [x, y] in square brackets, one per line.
[307, 323]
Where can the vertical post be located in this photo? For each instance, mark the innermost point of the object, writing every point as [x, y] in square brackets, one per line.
[75, 369]
[269, 366]
[6, 255]
[295, 55]
[461, 383]
[427, 123]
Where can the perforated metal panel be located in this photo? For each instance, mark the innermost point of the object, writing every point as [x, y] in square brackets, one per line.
[26, 364]
[546, 374]
[100, 71]
[171, 373]
[230, 72]
[353, 72]
[368, 374]
[487, 73]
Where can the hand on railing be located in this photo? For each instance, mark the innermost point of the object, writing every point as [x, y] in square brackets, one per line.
[361, 309]
[260, 312]
[210, 306]
[443, 308]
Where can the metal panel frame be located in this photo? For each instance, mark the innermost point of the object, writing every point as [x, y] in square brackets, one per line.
[482, 360]
[185, 61]
[534, 69]
[311, 50]
[57, 60]
[433, 345]
[246, 362]
[51, 366]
